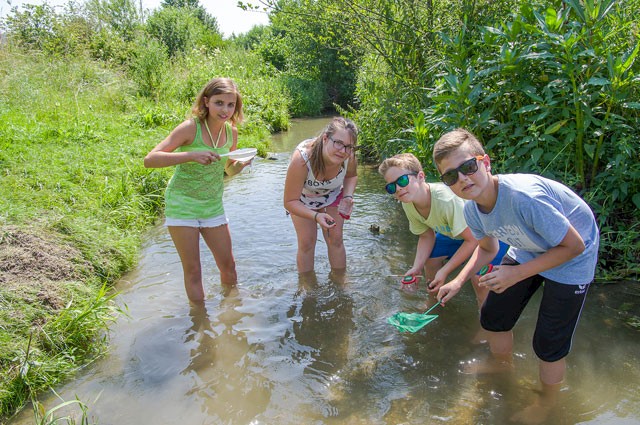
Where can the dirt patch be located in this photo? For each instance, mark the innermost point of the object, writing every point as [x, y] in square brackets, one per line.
[37, 266]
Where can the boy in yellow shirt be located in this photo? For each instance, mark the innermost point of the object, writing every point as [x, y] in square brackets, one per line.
[436, 215]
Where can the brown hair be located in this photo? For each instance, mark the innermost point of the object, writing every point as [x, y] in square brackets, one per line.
[453, 141]
[406, 161]
[338, 123]
[214, 87]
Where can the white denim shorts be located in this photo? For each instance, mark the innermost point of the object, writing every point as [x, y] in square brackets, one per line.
[219, 220]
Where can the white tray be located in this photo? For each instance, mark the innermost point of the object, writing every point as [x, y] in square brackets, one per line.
[243, 155]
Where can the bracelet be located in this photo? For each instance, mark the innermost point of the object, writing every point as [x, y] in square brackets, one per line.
[315, 217]
[347, 196]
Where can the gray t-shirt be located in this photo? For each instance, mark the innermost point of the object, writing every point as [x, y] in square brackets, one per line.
[532, 214]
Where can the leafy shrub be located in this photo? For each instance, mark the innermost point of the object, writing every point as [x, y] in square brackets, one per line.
[551, 91]
[36, 28]
[121, 17]
[307, 96]
[149, 66]
[180, 30]
[387, 108]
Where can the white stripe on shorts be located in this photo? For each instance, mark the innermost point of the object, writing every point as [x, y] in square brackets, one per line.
[219, 220]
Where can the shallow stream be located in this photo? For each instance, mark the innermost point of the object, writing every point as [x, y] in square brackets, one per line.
[285, 350]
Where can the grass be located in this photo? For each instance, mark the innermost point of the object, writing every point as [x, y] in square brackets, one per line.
[48, 417]
[75, 199]
[71, 177]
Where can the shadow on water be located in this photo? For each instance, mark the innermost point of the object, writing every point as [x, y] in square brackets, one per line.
[316, 349]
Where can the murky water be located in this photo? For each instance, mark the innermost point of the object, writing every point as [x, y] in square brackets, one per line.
[280, 350]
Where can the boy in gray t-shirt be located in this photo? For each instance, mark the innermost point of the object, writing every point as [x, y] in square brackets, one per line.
[553, 238]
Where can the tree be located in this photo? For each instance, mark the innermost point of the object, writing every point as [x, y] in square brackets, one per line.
[121, 16]
[200, 12]
[180, 29]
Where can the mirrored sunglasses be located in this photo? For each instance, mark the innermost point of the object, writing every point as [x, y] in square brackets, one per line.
[401, 181]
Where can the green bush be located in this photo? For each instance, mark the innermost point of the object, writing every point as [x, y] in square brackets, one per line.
[149, 66]
[388, 105]
[308, 97]
[551, 91]
[122, 18]
[38, 27]
[180, 30]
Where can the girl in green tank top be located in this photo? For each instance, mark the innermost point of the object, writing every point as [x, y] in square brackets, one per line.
[193, 199]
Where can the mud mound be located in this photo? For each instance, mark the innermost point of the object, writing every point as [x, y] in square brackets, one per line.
[37, 262]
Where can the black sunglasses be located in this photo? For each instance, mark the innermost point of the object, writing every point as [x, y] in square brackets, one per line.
[401, 181]
[467, 168]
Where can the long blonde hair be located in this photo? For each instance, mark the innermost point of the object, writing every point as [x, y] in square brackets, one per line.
[214, 87]
[338, 123]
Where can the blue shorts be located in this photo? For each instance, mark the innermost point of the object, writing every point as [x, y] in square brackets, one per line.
[558, 314]
[446, 247]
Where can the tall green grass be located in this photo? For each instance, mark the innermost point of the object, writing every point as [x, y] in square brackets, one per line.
[49, 417]
[73, 133]
[70, 170]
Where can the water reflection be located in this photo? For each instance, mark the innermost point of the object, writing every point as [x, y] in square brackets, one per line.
[322, 317]
[218, 363]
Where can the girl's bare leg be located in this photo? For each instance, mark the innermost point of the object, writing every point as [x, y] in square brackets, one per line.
[307, 234]
[334, 239]
[218, 239]
[186, 241]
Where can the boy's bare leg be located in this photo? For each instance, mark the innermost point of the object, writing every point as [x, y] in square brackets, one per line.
[551, 377]
[431, 266]
[481, 335]
[501, 360]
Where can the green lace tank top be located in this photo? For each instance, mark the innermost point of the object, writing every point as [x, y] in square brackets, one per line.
[195, 190]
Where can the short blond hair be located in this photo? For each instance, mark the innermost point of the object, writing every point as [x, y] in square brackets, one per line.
[453, 141]
[406, 161]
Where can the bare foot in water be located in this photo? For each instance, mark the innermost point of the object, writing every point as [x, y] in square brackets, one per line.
[490, 365]
[533, 415]
[538, 412]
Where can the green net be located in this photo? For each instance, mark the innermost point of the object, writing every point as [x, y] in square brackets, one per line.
[411, 322]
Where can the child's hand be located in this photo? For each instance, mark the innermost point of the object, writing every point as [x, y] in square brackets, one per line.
[243, 164]
[500, 278]
[438, 280]
[448, 291]
[413, 271]
[204, 157]
[325, 221]
[345, 207]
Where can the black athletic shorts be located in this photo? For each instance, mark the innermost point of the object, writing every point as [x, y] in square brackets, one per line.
[558, 314]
